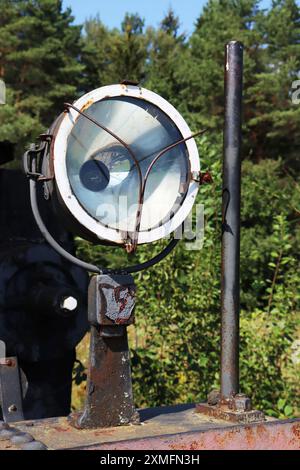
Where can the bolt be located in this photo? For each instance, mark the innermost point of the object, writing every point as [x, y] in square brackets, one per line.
[12, 408]
[69, 303]
[205, 178]
[7, 362]
[10, 363]
[241, 402]
[129, 247]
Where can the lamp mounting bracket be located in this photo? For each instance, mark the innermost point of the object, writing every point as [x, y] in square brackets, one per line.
[33, 159]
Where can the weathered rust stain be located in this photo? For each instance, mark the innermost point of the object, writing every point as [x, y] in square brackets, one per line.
[271, 435]
[296, 430]
[86, 105]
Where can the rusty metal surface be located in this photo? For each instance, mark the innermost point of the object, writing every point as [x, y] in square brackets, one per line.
[232, 415]
[271, 436]
[109, 399]
[169, 428]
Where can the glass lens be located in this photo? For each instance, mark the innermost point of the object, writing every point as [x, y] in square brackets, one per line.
[104, 176]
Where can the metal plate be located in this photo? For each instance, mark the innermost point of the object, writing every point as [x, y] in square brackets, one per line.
[169, 428]
[11, 390]
[112, 300]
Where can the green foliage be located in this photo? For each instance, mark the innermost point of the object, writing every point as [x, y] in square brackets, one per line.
[270, 111]
[39, 51]
[272, 63]
[113, 56]
[269, 329]
[175, 343]
[165, 46]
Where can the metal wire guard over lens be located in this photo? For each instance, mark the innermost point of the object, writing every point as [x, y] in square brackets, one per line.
[114, 124]
[96, 173]
[131, 237]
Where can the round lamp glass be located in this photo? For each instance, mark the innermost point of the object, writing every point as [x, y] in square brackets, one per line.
[103, 174]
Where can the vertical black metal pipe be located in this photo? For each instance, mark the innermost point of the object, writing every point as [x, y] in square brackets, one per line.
[230, 283]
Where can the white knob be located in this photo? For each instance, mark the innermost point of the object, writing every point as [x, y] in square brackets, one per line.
[69, 303]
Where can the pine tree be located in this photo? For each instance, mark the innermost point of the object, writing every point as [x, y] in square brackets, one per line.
[275, 124]
[39, 51]
[130, 49]
[97, 54]
[111, 56]
[170, 23]
[202, 70]
[271, 63]
[166, 48]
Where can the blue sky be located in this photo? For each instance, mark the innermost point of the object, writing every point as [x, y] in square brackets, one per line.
[112, 12]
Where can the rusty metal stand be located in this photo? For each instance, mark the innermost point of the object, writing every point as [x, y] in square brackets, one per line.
[109, 397]
[230, 404]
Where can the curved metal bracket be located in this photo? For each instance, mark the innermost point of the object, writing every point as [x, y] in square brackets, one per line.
[73, 259]
[31, 166]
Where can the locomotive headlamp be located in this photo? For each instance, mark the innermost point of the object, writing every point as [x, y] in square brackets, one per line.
[100, 179]
[123, 161]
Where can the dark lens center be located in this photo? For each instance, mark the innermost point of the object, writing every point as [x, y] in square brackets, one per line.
[94, 175]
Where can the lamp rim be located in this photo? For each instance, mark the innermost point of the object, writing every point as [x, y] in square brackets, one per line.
[59, 151]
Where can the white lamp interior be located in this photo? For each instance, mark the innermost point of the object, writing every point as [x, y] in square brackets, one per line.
[109, 190]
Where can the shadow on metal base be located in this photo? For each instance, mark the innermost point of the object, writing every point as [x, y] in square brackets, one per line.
[224, 413]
